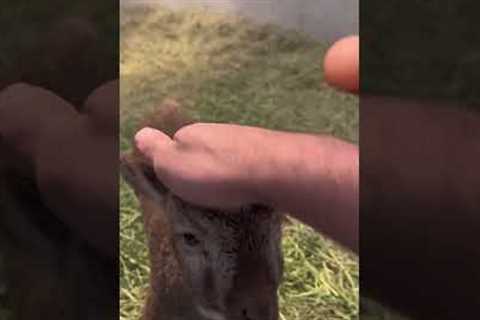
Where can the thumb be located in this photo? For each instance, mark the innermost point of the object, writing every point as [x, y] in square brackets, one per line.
[151, 142]
[341, 64]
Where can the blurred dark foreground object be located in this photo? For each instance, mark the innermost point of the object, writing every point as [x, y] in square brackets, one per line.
[420, 205]
[69, 47]
[58, 204]
[58, 156]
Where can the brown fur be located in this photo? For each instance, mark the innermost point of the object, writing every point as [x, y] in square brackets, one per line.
[164, 266]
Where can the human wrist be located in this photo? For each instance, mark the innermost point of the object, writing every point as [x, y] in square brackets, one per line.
[282, 162]
[264, 165]
[301, 162]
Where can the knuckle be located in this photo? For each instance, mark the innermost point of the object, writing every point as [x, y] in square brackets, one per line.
[186, 133]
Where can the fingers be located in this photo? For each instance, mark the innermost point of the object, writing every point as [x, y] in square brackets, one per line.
[341, 64]
[102, 107]
[76, 184]
[152, 143]
[26, 111]
[79, 186]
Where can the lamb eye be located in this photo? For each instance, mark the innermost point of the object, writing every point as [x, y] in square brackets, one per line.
[190, 239]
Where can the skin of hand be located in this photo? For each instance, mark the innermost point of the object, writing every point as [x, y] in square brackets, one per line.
[341, 64]
[70, 155]
[221, 165]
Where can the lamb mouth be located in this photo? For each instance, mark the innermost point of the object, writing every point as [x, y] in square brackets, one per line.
[210, 314]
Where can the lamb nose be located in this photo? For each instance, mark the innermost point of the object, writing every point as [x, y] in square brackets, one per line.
[245, 315]
[261, 314]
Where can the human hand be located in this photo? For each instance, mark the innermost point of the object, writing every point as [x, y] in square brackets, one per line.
[69, 155]
[216, 165]
[223, 165]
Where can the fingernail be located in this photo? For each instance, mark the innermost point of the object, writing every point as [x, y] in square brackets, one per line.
[143, 137]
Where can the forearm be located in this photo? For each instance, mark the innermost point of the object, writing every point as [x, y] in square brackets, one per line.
[315, 178]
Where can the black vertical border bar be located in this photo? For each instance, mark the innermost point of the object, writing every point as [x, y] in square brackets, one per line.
[59, 248]
[420, 156]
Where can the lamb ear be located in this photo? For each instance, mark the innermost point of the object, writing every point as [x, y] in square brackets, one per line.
[142, 179]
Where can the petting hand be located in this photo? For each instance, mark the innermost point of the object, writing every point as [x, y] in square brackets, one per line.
[224, 165]
[214, 165]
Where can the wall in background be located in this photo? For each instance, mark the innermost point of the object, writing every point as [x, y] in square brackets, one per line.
[325, 20]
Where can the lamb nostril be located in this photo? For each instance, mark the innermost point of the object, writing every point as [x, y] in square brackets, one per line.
[245, 315]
